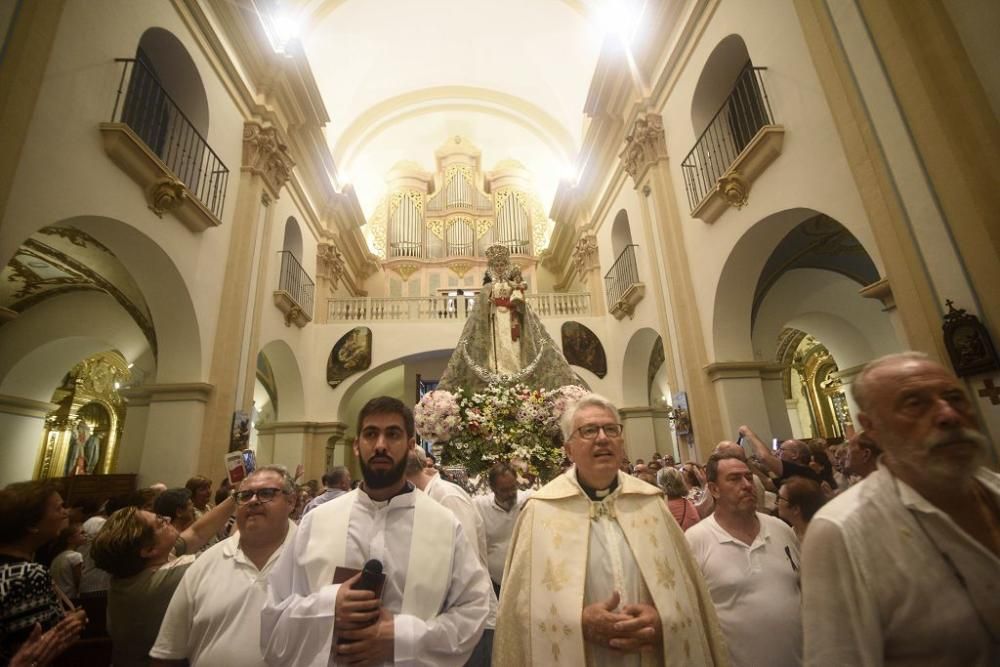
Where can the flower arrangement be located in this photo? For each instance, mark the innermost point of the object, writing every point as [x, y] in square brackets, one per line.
[503, 422]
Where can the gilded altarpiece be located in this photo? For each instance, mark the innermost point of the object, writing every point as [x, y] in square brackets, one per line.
[82, 434]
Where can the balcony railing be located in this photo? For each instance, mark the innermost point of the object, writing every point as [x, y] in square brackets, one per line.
[145, 106]
[623, 274]
[745, 111]
[294, 280]
[442, 308]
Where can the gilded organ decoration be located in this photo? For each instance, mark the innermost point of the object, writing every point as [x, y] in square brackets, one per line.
[459, 211]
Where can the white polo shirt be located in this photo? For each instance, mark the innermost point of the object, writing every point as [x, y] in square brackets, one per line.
[499, 525]
[214, 616]
[755, 589]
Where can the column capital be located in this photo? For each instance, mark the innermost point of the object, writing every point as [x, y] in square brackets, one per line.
[330, 263]
[157, 393]
[645, 145]
[732, 370]
[265, 154]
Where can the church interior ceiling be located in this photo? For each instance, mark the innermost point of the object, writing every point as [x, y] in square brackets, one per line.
[61, 260]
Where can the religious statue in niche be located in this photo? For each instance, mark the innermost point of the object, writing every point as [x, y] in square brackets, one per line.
[351, 354]
[583, 348]
[84, 450]
[503, 340]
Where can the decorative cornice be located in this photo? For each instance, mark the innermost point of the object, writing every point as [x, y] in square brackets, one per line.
[733, 370]
[265, 154]
[644, 411]
[645, 145]
[881, 290]
[25, 407]
[161, 393]
[305, 427]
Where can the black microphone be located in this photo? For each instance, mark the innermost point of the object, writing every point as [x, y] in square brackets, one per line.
[371, 577]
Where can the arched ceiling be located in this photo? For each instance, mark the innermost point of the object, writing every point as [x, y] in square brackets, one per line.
[399, 78]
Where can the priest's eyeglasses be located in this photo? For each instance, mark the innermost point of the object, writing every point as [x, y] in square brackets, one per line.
[589, 431]
[264, 495]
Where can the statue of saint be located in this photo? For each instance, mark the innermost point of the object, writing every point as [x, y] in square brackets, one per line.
[84, 450]
[503, 340]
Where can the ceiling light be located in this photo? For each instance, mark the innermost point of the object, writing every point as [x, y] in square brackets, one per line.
[618, 17]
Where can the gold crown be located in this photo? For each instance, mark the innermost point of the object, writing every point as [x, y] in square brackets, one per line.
[498, 253]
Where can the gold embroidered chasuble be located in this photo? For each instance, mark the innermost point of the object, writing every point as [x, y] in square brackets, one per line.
[543, 591]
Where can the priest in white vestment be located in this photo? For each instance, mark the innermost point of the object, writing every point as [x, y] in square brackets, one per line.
[435, 599]
[598, 571]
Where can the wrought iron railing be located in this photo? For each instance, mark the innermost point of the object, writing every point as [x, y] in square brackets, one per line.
[623, 274]
[448, 307]
[294, 280]
[737, 121]
[148, 109]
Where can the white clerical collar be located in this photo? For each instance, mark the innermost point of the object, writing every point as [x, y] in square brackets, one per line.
[600, 494]
[405, 498]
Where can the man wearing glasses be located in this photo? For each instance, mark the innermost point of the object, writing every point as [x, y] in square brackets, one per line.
[598, 535]
[214, 615]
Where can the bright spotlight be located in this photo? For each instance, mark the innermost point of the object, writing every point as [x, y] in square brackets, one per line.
[282, 28]
[617, 17]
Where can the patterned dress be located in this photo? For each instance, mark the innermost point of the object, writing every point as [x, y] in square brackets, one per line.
[26, 598]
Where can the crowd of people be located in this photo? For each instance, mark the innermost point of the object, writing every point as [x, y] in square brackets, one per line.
[882, 550]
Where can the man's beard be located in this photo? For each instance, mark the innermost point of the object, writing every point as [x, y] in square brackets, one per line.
[957, 436]
[380, 479]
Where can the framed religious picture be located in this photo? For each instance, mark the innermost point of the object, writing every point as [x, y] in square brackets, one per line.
[351, 354]
[239, 437]
[968, 343]
[583, 348]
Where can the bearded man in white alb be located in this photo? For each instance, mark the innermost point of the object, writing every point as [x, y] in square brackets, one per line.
[598, 571]
[436, 594]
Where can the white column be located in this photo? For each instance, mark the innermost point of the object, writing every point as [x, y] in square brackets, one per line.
[174, 422]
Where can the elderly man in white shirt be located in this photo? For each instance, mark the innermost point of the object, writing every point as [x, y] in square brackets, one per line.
[904, 567]
[750, 561]
[499, 510]
[434, 602]
[214, 616]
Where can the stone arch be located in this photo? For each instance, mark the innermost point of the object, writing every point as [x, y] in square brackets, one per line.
[733, 311]
[173, 67]
[716, 81]
[178, 331]
[635, 367]
[178, 355]
[292, 241]
[621, 233]
[287, 381]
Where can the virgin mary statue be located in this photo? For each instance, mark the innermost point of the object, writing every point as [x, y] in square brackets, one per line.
[503, 341]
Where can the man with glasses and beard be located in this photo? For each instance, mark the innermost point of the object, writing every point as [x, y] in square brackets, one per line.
[902, 568]
[434, 601]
